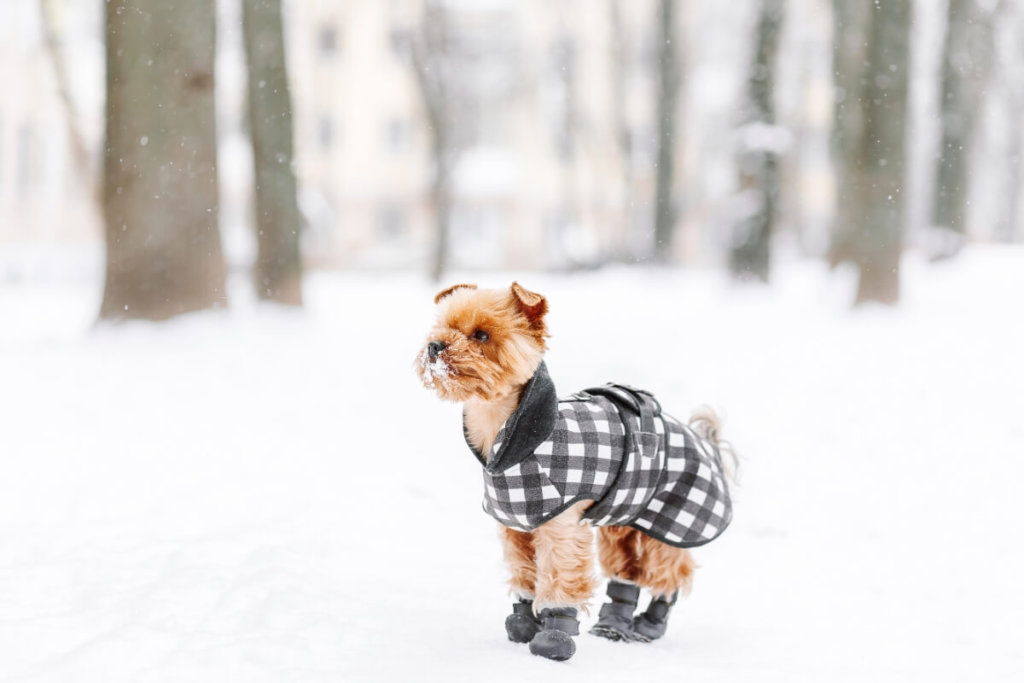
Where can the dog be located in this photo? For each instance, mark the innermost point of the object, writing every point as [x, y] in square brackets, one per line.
[606, 457]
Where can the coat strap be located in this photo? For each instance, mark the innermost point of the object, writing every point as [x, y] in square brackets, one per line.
[637, 402]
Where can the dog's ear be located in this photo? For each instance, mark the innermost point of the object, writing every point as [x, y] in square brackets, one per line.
[531, 304]
[445, 292]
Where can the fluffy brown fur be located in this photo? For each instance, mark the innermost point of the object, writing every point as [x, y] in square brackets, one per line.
[484, 370]
[521, 561]
[493, 341]
[565, 560]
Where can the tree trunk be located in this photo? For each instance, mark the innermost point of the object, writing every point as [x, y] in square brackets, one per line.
[759, 154]
[668, 96]
[278, 269]
[160, 162]
[885, 113]
[429, 53]
[1007, 27]
[849, 54]
[619, 64]
[80, 154]
[965, 64]
[1007, 223]
[441, 197]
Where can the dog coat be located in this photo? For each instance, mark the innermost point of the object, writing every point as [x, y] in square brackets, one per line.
[612, 445]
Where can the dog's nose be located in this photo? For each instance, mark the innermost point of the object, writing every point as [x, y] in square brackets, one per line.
[434, 348]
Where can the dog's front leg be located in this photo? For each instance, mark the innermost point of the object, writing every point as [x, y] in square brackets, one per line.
[517, 546]
[564, 554]
[565, 560]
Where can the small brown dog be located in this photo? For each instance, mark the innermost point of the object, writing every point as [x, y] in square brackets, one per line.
[607, 456]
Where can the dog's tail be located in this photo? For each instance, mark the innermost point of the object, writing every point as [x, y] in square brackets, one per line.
[708, 425]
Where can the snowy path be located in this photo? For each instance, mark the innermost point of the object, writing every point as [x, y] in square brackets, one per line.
[228, 497]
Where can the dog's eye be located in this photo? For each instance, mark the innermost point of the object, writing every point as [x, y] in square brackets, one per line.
[480, 335]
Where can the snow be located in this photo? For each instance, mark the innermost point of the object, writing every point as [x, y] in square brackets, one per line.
[433, 371]
[758, 136]
[481, 173]
[265, 495]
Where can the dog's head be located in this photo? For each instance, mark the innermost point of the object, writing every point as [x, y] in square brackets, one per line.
[485, 343]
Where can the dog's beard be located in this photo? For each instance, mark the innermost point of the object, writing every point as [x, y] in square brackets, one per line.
[435, 373]
[458, 379]
[446, 378]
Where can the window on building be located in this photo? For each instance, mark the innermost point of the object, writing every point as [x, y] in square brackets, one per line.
[563, 53]
[24, 166]
[327, 40]
[399, 135]
[401, 43]
[391, 222]
[325, 132]
[1, 155]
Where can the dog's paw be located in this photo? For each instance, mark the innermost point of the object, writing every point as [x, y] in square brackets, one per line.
[553, 644]
[554, 640]
[615, 619]
[652, 623]
[521, 628]
[522, 625]
[613, 633]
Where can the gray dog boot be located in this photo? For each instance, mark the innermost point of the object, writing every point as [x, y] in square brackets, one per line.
[615, 620]
[521, 626]
[554, 640]
[652, 623]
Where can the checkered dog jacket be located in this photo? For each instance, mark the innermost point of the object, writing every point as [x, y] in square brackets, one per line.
[613, 445]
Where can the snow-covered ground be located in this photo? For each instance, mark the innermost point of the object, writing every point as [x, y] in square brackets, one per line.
[263, 495]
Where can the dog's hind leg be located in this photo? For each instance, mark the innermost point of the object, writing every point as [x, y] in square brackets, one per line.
[666, 572]
[565, 581]
[522, 625]
[665, 569]
[618, 551]
[633, 560]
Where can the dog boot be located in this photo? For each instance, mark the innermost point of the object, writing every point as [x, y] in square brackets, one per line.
[652, 623]
[522, 625]
[554, 640]
[615, 620]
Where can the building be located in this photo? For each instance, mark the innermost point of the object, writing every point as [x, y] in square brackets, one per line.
[556, 157]
[43, 196]
[538, 179]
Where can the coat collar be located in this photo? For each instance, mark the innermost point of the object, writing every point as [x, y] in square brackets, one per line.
[526, 428]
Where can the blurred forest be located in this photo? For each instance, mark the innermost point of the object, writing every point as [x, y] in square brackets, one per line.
[194, 139]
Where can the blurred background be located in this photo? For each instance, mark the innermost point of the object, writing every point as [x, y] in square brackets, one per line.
[429, 135]
[222, 225]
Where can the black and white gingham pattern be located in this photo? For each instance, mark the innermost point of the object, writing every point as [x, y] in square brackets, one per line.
[693, 507]
[581, 455]
[672, 490]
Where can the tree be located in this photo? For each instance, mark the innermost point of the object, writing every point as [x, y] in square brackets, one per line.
[966, 58]
[849, 54]
[760, 146]
[278, 269]
[431, 59]
[468, 68]
[669, 73]
[623, 135]
[80, 153]
[879, 230]
[1010, 40]
[160, 160]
